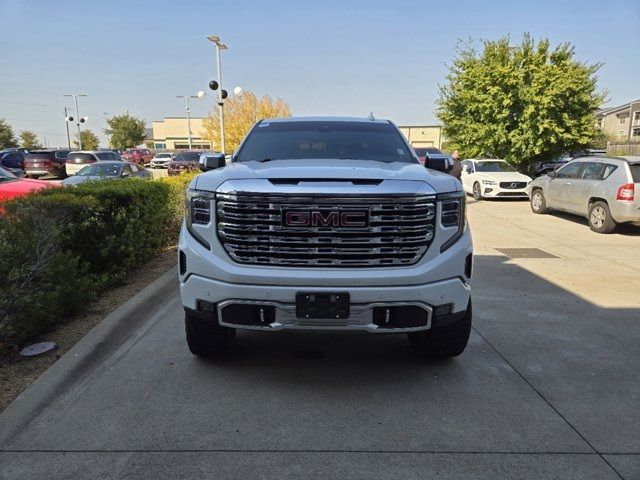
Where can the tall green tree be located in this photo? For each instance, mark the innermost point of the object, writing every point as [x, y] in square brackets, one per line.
[90, 140]
[7, 138]
[125, 131]
[29, 140]
[523, 103]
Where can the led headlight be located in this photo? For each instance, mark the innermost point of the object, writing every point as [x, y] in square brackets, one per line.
[489, 182]
[198, 208]
[453, 207]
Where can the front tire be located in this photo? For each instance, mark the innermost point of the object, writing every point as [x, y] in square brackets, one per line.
[444, 342]
[206, 338]
[538, 202]
[600, 219]
[477, 191]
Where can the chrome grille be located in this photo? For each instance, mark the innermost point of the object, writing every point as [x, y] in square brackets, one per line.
[513, 185]
[251, 230]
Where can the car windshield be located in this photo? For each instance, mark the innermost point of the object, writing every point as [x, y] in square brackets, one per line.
[188, 157]
[325, 140]
[6, 176]
[163, 155]
[107, 170]
[424, 151]
[494, 167]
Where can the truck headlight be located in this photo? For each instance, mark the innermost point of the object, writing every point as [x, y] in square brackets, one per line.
[489, 182]
[453, 208]
[198, 208]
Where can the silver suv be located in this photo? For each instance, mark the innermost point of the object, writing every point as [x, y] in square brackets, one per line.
[604, 190]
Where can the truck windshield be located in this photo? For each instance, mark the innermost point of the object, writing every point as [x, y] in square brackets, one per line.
[280, 140]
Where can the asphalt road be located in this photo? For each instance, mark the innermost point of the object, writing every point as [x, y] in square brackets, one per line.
[549, 386]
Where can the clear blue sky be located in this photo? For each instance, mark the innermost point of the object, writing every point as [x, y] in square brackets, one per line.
[322, 57]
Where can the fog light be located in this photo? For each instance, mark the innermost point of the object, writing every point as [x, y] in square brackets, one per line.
[204, 306]
[488, 190]
[443, 310]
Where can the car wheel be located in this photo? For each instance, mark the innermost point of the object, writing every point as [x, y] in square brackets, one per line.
[600, 219]
[444, 342]
[538, 203]
[477, 192]
[206, 338]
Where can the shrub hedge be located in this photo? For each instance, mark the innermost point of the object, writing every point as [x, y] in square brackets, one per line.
[59, 246]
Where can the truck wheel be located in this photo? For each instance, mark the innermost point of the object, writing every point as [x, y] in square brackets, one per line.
[206, 338]
[477, 192]
[444, 342]
[538, 203]
[600, 219]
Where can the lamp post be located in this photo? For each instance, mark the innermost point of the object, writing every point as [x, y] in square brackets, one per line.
[78, 119]
[219, 46]
[188, 110]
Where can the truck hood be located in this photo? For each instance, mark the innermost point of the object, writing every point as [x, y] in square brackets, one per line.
[326, 170]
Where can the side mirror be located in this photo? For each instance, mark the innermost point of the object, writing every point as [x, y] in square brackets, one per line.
[552, 174]
[442, 164]
[211, 162]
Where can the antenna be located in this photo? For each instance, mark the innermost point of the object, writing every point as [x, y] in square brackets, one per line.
[371, 117]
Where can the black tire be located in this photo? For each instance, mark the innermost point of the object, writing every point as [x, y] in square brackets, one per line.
[538, 202]
[477, 191]
[206, 338]
[600, 219]
[444, 342]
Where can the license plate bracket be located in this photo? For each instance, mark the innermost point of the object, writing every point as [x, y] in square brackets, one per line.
[323, 305]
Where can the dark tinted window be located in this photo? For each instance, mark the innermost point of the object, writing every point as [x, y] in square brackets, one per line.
[331, 140]
[105, 156]
[62, 154]
[39, 155]
[81, 157]
[494, 167]
[570, 170]
[635, 172]
[424, 151]
[188, 157]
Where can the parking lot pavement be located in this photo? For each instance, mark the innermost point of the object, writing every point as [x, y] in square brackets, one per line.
[548, 387]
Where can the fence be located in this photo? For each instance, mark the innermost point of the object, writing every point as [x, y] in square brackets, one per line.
[623, 148]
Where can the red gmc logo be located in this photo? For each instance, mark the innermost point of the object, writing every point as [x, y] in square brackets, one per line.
[325, 218]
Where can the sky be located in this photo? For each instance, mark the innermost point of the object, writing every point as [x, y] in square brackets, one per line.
[324, 57]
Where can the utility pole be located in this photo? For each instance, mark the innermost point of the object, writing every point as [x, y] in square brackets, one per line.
[66, 124]
[78, 119]
[188, 110]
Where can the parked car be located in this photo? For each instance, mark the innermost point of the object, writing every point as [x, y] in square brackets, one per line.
[184, 162]
[77, 160]
[604, 190]
[107, 171]
[44, 163]
[492, 178]
[543, 168]
[141, 156]
[424, 152]
[12, 159]
[161, 160]
[12, 186]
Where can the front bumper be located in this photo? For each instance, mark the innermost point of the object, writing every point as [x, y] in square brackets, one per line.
[495, 191]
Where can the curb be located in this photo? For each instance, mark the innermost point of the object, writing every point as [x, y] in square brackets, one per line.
[83, 357]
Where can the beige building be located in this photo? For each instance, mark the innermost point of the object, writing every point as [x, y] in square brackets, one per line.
[621, 123]
[423, 136]
[172, 133]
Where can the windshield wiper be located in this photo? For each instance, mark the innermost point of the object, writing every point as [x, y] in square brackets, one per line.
[266, 160]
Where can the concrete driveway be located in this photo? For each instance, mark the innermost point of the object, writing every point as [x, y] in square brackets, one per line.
[549, 386]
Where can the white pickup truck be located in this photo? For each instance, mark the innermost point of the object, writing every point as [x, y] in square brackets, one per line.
[326, 224]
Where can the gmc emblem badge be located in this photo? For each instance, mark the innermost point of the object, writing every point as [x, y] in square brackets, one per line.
[325, 218]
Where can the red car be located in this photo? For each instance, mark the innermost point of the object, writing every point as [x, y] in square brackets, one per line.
[141, 156]
[12, 186]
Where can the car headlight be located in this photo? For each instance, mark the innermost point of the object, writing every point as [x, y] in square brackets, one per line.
[489, 182]
[198, 208]
[453, 209]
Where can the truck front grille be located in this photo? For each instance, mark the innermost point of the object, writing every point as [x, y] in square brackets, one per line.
[398, 230]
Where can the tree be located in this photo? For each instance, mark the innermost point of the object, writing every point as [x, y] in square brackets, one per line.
[125, 131]
[90, 140]
[7, 138]
[240, 113]
[29, 140]
[523, 103]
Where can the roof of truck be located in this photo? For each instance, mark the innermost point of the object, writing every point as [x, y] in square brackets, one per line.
[325, 119]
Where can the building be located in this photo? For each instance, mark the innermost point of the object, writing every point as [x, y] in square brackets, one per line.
[423, 136]
[172, 133]
[621, 123]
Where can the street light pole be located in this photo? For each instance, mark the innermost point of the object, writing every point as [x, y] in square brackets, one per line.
[66, 124]
[78, 119]
[219, 46]
[188, 110]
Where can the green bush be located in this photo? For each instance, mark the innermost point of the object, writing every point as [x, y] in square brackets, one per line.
[59, 246]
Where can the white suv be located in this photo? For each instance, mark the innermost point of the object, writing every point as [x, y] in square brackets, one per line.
[326, 224]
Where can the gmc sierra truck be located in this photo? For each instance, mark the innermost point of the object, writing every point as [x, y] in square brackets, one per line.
[326, 224]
